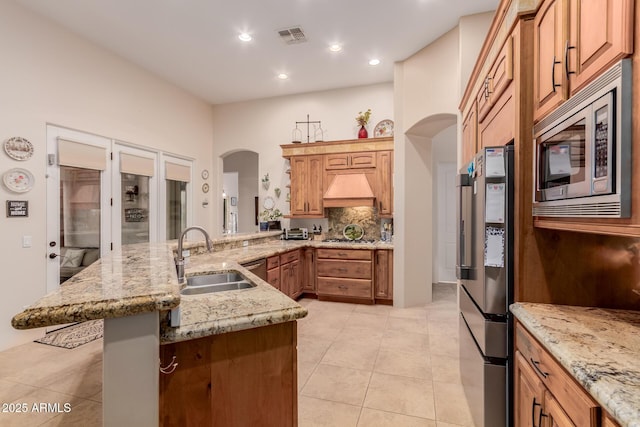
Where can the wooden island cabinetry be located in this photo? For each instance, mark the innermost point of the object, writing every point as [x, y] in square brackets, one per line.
[243, 378]
[290, 277]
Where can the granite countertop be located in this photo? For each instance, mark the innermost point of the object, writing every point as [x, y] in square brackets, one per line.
[141, 278]
[599, 347]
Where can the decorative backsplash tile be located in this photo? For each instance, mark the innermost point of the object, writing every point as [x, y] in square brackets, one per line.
[364, 216]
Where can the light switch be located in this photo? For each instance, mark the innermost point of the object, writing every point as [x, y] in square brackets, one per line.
[26, 241]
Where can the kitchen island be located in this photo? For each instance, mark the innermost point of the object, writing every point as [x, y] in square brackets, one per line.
[135, 289]
[597, 347]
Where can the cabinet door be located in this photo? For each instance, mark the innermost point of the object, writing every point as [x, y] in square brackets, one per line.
[273, 277]
[363, 160]
[295, 281]
[336, 161]
[309, 270]
[529, 392]
[554, 414]
[299, 179]
[601, 32]
[549, 79]
[384, 183]
[469, 136]
[314, 185]
[501, 74]
[285, 278]
[384, 275]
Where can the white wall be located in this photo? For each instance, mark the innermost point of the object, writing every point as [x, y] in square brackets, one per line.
[427, 90]
[263, 125]
[49, 75]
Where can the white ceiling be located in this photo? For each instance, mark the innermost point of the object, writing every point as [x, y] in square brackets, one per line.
[194, 43]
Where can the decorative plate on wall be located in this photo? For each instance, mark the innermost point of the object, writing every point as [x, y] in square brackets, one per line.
[205, 174]
[384, 128]
[18, 180]
[18, 148]
[205, 188]
[353, 232]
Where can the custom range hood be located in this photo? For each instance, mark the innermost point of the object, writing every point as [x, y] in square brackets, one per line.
[348, 190]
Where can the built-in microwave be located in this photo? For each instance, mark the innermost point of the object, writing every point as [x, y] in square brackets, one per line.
[582, 156]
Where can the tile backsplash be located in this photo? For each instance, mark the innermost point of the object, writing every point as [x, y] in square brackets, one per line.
[364, 216]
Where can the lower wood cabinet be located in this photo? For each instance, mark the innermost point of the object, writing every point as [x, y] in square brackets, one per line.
[384, 276]
[244, 378]
[545, 394]
[273, 271]
[345, 274]
[309, 270]
[290, 274]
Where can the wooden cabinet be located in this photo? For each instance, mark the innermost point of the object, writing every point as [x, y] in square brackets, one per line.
[345, 274]
[306, 186]
[469, 135]
[309, 270]
[350, 160]
[383, 279]
[290, 277]
[243, 378]
[574, 42]
[273, 271]
[544, 390]
[384, 184]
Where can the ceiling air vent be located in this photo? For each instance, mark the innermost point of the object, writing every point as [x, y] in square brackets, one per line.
[292, 35]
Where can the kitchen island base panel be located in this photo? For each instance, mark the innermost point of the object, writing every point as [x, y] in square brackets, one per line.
[241, 378]
[130, 371]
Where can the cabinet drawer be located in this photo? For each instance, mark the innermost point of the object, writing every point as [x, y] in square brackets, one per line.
[363, 160]
[273, 262]
[338, 268]
[344, 254]
[336, 161]
[345, 287]
[289, 257]
[577, 404]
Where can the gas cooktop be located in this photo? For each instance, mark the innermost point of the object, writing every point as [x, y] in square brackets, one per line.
[348, 241]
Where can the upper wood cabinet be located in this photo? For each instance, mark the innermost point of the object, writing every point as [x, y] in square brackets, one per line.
[384, 184]
[350, 160]
[574, 42]
[469, 135]
[306, 186]
[496, 81]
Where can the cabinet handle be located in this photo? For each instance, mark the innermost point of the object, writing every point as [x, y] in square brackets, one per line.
[566, 59]
[533, 412]
[553, 74]
[342, 270]
[379, 207]
[170, 367]
[537, 367]
[542, 414]
[341, 254]
[343, 287]
[487, 92]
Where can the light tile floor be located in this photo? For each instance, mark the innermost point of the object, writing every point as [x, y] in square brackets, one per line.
[358, 366]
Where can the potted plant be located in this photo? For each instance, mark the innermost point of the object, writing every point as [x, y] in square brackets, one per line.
[363, 119]
[266, 182]
[270, 219]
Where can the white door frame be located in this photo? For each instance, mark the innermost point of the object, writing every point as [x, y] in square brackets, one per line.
[116, 185]
[162, 196]
[53, 197]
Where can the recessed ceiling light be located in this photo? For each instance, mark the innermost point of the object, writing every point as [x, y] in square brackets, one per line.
[245, 37]
[335, 48]
[283, 76]
[374, 62]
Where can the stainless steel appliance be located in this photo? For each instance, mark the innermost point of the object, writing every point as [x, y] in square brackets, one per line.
[485, 269]
[257, 267]
[296, 234]
[583, 151]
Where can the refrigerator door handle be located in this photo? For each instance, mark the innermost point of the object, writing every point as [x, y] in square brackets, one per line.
[465, 235]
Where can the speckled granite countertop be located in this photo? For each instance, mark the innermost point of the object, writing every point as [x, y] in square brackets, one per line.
[141, 278]
[599, 347]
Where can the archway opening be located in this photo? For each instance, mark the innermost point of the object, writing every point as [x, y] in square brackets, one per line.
[240, 191]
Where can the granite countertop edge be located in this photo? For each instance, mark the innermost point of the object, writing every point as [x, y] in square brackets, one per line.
[616, 389]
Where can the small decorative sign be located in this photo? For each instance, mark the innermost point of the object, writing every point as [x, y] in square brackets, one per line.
[17, 208]
[135, 215]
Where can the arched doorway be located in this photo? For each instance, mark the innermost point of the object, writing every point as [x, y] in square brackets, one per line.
[240, 190]
[430, 142]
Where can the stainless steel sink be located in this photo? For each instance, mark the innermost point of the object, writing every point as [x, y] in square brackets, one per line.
[219, 282]
[212, 279]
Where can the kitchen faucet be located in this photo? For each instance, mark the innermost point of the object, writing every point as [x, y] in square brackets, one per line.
[180, 257]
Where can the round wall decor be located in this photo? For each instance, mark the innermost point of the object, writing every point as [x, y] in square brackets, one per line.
[205, 174]
[18, 148]
[18, 180]
[205, 188]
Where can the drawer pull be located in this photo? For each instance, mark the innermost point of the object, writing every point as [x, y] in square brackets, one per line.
[343, 287]
[537, 367]
[342, 270]
[342, 254]
[533, 412]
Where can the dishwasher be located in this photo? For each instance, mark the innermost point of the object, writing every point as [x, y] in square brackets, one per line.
[257, 267]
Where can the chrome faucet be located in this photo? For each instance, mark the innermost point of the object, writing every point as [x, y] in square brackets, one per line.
[180, 258]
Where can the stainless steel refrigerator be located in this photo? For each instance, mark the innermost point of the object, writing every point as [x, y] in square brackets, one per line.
[484, 268]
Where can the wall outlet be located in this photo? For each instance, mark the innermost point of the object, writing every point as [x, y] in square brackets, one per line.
[27, 241]
[245, 243]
